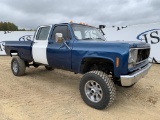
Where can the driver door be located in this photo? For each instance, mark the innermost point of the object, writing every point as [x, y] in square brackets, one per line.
[58, 54]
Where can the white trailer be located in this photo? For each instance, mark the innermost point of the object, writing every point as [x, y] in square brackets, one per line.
[149, 33]
[14, 35]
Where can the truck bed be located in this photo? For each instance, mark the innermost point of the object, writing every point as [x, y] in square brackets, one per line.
[23, 48]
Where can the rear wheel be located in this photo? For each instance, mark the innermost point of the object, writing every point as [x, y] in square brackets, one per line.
[97, 89]
[18, 66]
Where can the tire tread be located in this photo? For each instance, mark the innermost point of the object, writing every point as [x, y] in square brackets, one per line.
[21, 66]
[110, 85]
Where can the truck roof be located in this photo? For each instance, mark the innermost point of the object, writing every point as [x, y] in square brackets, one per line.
[67, 24]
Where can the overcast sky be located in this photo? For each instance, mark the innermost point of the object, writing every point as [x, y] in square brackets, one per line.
[32, 13]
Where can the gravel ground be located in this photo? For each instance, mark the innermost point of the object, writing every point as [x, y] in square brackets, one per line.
[51, 95]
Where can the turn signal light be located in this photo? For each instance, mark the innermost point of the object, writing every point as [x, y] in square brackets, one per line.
[117, 62]
[71, 21]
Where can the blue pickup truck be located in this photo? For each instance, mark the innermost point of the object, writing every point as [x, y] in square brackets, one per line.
[83, 49]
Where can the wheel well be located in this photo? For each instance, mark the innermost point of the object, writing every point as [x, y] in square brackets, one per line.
[101, 64]
[15, 51]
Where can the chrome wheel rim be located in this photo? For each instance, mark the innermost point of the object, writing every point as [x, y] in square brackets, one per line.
[93, 91]
[15, 66]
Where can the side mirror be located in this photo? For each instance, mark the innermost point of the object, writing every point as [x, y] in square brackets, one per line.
[59, 37]
[101, 26]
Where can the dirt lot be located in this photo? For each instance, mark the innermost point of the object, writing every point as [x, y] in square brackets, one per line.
[51, 95]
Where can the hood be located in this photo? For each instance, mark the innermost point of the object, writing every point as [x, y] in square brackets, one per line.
[131, 44]
[135, 44]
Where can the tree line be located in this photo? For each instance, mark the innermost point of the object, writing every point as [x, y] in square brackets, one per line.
[8, 26]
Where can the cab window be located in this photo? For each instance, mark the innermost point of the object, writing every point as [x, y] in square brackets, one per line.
[43, 33]
[62, 29]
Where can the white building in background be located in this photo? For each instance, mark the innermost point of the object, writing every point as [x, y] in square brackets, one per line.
[14, 36]
[149, 33]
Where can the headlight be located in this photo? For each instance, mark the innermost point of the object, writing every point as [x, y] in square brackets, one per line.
[132, 57]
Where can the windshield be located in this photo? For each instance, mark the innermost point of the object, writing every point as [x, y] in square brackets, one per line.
[82, 32]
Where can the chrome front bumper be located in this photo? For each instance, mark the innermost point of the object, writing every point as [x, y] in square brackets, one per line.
[128, 80]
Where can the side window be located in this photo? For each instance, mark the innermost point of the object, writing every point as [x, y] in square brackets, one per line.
[43, 33]
[62, 29]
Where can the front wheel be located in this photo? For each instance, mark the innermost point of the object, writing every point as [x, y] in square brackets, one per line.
[18, 66]
[97, 89]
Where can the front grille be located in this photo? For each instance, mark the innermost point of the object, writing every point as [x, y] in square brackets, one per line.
[142, 54]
